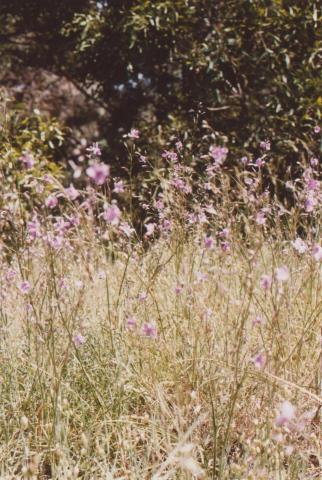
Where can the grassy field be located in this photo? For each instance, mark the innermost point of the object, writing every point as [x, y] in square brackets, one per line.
[185, 360]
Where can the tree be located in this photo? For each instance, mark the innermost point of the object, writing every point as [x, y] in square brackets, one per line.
[250, 68]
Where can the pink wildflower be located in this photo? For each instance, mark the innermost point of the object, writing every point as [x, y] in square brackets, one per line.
[259, 162]
[10, 275]
[201, 277]
[310, 203]
[286, 415]
[33, 229]
[94, 150]
[265, 145]
[98, 173]
[28, 160]
[166, 225]
[282, 274]
[265, 282]
[317, 253]
[25, 287]
[299, 245]
[317, 129]
[159, 204]
[314, 162]
[224, 233]
[79, 284]
[260, 218]
[112, 214]
[313, 185]
[62, 283]
[51, 201]
[259, 361]
[126, 229]
[225, 247]
[150, 228]
[288, 450]
[79, 340]
[71, 192]
[207, 314]
[248, 181]
[118, 187]
[131, 323]
[171, 156]
[258, 320]
[208, 242]
[134, 134]
[74, 220]
[55, 241]
[179, 184]
[143, 296]
[218, 154]
[149, 330]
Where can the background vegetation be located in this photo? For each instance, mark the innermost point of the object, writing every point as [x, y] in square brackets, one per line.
[237, 71]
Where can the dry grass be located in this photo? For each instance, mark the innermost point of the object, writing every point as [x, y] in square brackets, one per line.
[187, 404]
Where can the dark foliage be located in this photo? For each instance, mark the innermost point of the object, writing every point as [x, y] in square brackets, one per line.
[240, 70]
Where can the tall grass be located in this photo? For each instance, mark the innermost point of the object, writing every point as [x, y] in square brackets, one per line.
[194, 352]
[88, 393]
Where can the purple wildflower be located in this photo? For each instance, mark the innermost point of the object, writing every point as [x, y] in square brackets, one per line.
[118, 187]
[94, 150]
[299, 245]
[224, 233]
[310, 203]
[134, 134]
[149, 330]
[28, 160]
[24, 287]
[150, 228]
[265, 282]
[218, 154]
[314, 162]
[71, 192]
[260, 218]
[286, 414]
[98, 173]
[258, 320]
[131, 323]
[208, 242]
[112, 214]
[317, 253]
[51, 201]
[282, 274]
[171, 156]
[79, 340]
[265, 145]
[259, 162]
[259, 361]
[225, 247]
[143, 296]
[33, 228]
